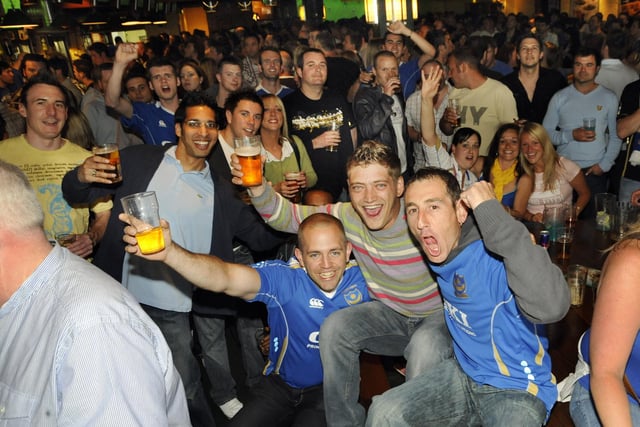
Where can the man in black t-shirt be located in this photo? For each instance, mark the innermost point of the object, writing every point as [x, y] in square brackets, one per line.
[311, 113]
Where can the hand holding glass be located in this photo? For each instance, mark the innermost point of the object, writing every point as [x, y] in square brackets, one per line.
[589, 123]
[111, 153]
[454, 105]
[335, 127]
[145, 217]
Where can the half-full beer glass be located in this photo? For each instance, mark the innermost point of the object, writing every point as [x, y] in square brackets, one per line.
[111, 153]
[248, 150]
[145, 217]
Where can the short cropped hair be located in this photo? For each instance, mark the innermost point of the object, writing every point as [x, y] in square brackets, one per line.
[243, 95]
[429, 173]
[193, 99]
[20, 208]
[160, 61]
[46, 79]
[319, 218]
[374, 152]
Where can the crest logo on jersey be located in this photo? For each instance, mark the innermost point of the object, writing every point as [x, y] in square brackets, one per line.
[353, 296]
[460, 286]
[162, 124]
[316, 303]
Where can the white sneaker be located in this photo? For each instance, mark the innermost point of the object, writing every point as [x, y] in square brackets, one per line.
[231, 408]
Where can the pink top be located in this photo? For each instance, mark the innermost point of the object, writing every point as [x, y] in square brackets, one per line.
[561, 193]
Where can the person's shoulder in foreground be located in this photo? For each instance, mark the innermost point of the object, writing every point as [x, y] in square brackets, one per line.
[77, 348]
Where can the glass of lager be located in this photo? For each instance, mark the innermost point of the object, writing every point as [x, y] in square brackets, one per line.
[145, 217]
[111, 153]
[248, 150]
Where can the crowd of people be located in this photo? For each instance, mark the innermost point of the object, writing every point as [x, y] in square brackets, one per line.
[416, 158]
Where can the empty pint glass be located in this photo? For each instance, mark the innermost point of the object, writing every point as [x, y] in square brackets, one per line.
[248, 150]
[145, 217]
[111, 153]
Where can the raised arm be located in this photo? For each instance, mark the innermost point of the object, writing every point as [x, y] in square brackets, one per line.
[125, 53]
[277, 211]
[204, 271]
[430, 86]
[538, 286]
[434, 152]
[397, 27]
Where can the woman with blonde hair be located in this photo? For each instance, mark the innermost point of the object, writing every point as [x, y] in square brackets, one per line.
[283, 153]
[555, 178]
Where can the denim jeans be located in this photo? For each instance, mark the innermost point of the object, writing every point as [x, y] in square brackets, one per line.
[274, 403]
[176, 329]
[446, 396]
[211, 333]
[377, 329]
[583, 411]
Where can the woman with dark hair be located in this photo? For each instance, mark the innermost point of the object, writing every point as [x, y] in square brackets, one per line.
[465, 143]
[503, 169]
[465, 147]
[192, 76]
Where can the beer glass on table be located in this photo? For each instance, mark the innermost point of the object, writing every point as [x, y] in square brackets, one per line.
[248, 149]
[111, 153]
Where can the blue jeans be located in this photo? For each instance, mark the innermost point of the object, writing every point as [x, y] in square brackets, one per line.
[446, 396]
[274, 403]
[176, 329]
[583, 411]
[376, 329]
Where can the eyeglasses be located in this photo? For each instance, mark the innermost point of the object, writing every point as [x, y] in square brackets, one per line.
[469, 147]
[197, 124]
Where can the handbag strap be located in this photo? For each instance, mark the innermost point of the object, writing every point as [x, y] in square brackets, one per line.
[629, 389]
[296, 150]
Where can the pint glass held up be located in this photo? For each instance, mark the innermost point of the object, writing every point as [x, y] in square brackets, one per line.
[111, 153]
[145, 217]
[248, 150]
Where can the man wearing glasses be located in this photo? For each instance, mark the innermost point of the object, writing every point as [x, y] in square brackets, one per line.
[154, 122]
[190, 198]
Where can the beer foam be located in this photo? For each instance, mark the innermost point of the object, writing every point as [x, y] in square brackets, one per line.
[248, 151]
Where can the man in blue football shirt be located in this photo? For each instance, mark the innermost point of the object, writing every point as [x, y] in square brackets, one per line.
[298, 295]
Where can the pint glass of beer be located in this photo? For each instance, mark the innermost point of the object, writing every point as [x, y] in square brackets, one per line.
[248, 149]
[145, 217]
[111, 153]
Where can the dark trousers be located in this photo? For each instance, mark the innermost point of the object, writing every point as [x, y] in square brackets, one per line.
[274, 403]
[176, 328]
[597, 184]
